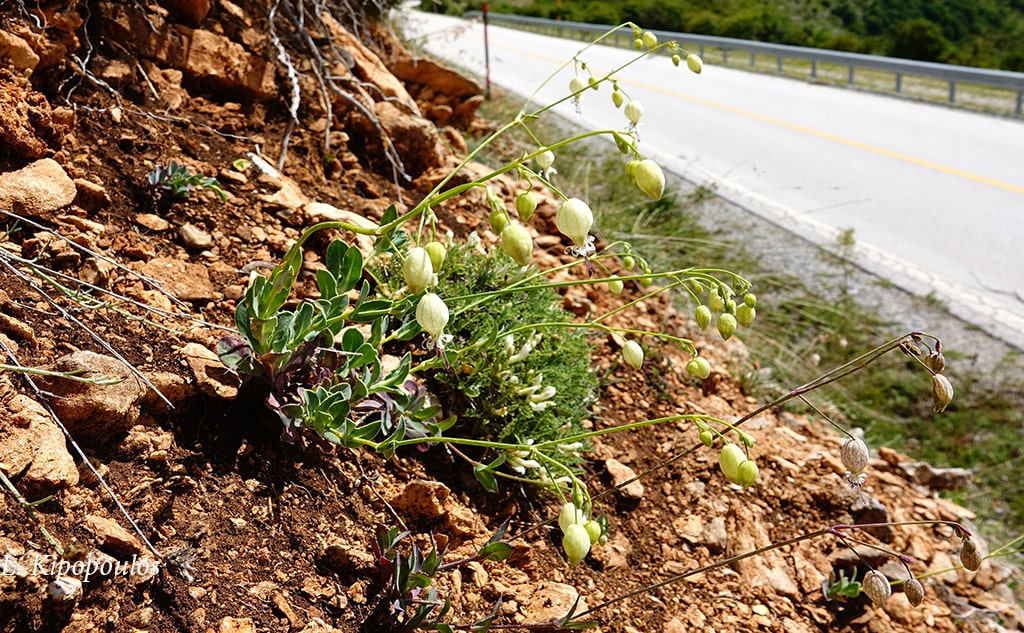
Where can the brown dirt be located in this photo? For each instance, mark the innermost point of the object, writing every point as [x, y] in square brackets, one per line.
[281, 534]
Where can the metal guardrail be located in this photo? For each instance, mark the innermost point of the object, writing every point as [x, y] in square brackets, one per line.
[900, 68]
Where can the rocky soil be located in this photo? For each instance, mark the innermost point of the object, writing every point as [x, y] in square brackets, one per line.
[227, 528]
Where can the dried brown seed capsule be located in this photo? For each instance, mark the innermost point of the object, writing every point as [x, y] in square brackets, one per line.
[970, 554]
[935, 361]
[942, 393]
[914, 591]
[855, 455]
[876, 586]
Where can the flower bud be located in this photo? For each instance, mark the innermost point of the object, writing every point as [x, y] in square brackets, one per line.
[970, 554]
[650, 179]
[699, 367]
[855, 456]
[615, 286]
[628, 262]
[694, 63]
[726, 325]
[545, 159]
[729, 461]
[631, 168]
[617, 98]
[526, 204]
[569, 515]
[417, 270]
[594, 531]
[633, 354]
[634, 110]
[935, 361]
[715, 301]
[517, 243]
[650, 40]
[745, 314]
[621, 143]
[747, 474]
[750, 299]
[703, 316]
[574, 219]
[914, 591]
[437, 253]
[576, 543]
[638, 44]
[676, 60]
[876, 586]
[942, 393]
[498, 221]
[707, 438]
[593, 82]
[432, 314]
[576, 84]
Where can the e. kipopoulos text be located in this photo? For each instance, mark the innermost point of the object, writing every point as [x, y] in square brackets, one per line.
[55, 567]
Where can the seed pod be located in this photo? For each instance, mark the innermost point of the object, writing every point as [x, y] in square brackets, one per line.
[437, 253]
[634, 110]
[615, 286]
[628, 262]
[631, 168]
[574, 219]
[914, 591]
[855, 455]
[970, 554]
[942, 393]
[576, 543]
[935, 361]
[498, 221]
[569, 515]
[517, 243]
[745, 314]
[633, 354]
[617, 98]
[650, 179]
[715, 301]
[726, 325]
[750, 299]
[432, 314]
[650, 39]
[676, 60]
[747, 474]
[707, 438]
[577, 84]
[703, 316]
[593, 530]
[729, 461]
[526, 204]
[694, 63]
[700, 368]
[417, 270]
[876, 586]
[545, 159]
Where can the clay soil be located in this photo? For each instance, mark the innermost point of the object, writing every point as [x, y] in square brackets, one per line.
[254, 533]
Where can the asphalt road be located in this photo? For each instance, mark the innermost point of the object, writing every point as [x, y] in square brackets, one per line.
[934, 195]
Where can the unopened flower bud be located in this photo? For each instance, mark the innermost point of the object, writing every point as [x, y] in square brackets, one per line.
[703, 316]
[617, 98]
[545, 159]
[432, 314]
[650, 179]
[729, 461]
[569, 515]
[498, 221]
[594, 531]
[574, 219]
[634, 110]
[650, 39]
[576, 84]
[970, 554]
[726, 325]
[707, 438]
[417, 270]
[876, 586]
[694, 63]
[676, 60]
[615, 286]
[750, 299]
[942, 393]
[935, 361]
[715, 301]
[855, 456]
[745, 314]
[747, 474]
[517, 243]
[699, 367]
[526, 204]
[631, 168]
[437, 253]
[628, 262]
[593, 82]
[633, 354]
[638, 44]
[621, 143]
[576, 543]
[914, 591]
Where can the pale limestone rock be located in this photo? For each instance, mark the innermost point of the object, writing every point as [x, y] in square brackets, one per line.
[37, 189]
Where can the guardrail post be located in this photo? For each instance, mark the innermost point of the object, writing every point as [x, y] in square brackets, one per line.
[1020, 101]
[753, 59]
[779, 63]
[725, 55]
[952, 91]
[899, 82]
[849, 78]
[814, 69]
